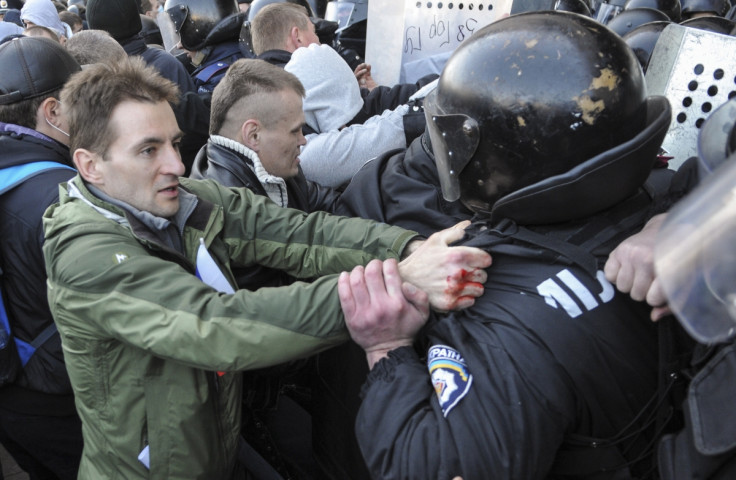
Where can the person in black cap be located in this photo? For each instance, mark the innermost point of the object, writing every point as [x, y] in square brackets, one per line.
[121, 19]
[39, 425]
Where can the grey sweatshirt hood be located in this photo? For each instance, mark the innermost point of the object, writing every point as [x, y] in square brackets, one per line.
[333, 96]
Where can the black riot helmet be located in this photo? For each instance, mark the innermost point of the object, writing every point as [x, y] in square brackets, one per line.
[731, 14]
[691, 8]
[711, 23]
[575, 6]
[605, 10]
[194, 20]
[642, 40]
[352, 20]
[543, 117]
[631, 18]
[671, 8]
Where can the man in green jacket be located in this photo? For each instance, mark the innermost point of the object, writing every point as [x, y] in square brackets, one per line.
[140, 283]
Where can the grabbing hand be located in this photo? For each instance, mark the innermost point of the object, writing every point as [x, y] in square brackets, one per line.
[630, 267]
[363, 75]
[381, 313]
[656, 296]
[452, 276]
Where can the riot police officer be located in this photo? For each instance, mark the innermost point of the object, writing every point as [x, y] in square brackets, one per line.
[551, 373]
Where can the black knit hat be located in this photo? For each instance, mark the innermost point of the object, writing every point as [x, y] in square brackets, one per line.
[118, 17]
[34, 66]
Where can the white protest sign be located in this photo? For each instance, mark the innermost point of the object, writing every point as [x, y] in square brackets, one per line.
[409, 38]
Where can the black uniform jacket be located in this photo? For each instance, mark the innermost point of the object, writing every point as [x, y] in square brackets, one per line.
[706, 447]
[548, 371]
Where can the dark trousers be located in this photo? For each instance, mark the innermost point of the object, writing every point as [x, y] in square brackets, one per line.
[45, 447]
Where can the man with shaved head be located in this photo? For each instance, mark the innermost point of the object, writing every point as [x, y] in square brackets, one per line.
[255, 137]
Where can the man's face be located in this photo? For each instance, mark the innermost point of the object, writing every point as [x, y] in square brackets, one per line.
[150, 8]
[280, 142]
[143, 164]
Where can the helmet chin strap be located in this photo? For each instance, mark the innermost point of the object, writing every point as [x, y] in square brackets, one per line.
[55, 127]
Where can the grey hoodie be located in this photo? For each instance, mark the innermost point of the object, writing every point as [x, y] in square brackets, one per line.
[333, 155]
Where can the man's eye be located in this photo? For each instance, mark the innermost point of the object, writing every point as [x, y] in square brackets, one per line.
[148, 151]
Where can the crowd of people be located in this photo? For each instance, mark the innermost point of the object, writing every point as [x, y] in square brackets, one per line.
[226, 252]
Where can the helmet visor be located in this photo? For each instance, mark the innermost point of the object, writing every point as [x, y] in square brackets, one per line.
[454, 140]
[169, 31]
[606, 12]
[695, 258]
[339, 12]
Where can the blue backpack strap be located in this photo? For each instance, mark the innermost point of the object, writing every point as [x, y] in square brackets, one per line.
[26, 350]
[210, 71]
[12, 176]
[4, 323]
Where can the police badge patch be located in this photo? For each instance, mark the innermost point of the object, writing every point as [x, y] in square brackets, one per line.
[450, 376]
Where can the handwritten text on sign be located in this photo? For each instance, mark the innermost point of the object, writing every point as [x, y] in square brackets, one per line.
[431, 28]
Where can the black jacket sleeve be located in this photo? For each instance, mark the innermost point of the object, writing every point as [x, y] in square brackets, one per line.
[321, 198]
[504, 429]
[383, 98]
[511, 387]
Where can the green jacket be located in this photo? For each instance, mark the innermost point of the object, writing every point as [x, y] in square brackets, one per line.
[145, 341]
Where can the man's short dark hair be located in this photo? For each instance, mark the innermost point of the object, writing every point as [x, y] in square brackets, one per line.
[89, 98]
[247, 78]
[70, 18]
[24, 113]
[41, 31]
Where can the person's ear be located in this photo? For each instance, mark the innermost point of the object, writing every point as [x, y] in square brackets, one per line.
[49, 110]
[251, 133]
[88, 166]
[294, 37]
[52, 107]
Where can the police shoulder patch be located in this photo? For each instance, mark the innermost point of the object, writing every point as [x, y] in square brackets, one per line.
[450, 376]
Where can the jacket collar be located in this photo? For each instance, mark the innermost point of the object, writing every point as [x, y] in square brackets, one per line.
[20, 145]
[276, 57]
[275, 187]
[134, 45]
[161, 231]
